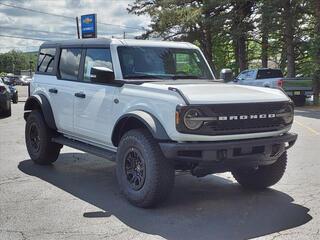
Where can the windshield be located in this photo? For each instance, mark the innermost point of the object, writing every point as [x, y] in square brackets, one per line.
[162, 63]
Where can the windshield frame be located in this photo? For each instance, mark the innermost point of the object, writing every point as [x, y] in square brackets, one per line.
[165, 77]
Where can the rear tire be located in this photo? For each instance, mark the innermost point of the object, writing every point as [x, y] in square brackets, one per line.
[299, 101]
[145, 176]
[264, 176]
[38, 140]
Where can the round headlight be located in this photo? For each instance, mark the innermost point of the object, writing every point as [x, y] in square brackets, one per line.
[191, 120]
[289, 114]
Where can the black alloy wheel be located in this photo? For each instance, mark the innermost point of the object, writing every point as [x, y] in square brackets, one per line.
[34, 137]
[135, 168]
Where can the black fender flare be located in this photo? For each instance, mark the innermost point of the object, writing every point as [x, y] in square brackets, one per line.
[39, 101]
[147, 119]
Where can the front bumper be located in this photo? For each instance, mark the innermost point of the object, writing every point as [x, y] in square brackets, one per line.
[261, 151]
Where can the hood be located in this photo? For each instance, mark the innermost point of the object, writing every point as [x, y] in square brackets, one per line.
[213, 92]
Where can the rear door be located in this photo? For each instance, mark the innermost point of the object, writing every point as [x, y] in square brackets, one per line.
[94, 102]
[62, 93]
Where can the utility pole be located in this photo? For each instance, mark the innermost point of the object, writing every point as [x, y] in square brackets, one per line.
[30, 62]
[124, 35]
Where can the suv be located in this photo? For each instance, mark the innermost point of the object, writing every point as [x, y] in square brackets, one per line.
[154, 107]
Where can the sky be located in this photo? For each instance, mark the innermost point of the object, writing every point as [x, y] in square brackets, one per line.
[28, 24]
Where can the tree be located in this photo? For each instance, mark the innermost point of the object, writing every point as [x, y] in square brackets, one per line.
[15, 61]
[241, 24]
[316, 47]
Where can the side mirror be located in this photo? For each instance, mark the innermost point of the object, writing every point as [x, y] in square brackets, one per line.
[101, 75]
[226, 75]
[236, 79]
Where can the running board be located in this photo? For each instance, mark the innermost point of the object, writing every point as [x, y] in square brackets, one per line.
[98, 151]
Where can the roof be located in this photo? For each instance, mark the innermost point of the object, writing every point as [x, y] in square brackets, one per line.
[103, 42]
[78, 42]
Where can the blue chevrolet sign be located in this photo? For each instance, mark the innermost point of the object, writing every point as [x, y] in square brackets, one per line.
[89, 26]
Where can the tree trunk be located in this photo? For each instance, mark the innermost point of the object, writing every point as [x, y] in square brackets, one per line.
[236, 56]
[206, 44]
[288, 38]
[265, 38]
[316, 81]
[242, 53]
[264, 49]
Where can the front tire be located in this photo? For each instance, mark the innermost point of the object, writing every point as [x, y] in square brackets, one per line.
[7, 113]
[299, 101]
[144, 175]
[38, 140]
[263, 176]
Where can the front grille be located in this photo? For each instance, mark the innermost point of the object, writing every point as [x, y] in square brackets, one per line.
[240, 126]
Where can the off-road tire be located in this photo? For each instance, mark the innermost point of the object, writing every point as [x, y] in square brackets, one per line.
[45, 152]
[263, 176]
[159, 171]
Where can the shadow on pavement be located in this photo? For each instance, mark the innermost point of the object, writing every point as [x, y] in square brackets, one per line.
[204, 208]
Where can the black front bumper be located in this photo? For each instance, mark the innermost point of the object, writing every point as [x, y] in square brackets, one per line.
[261, 151]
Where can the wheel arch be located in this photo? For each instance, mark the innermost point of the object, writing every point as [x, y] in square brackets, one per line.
[138, 119]
[40, 102]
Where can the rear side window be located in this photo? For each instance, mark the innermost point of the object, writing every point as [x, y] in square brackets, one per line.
[69, 63]
[269, 73]
[46, 60]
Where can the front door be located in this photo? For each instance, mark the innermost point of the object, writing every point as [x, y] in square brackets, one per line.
[93, 103]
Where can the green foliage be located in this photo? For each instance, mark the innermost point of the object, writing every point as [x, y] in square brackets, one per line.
[231, 31]
[15, 61]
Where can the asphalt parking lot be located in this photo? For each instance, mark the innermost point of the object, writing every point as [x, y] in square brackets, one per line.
[77, 197]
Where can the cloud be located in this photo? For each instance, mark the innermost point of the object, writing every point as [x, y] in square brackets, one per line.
[19, 22]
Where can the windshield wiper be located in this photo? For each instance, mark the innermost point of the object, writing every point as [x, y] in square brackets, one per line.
[142, 76]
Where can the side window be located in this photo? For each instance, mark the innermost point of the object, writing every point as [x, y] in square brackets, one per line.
[96, 57]
[46, 60]
[242, 76]
[250, 75]
[69, 63]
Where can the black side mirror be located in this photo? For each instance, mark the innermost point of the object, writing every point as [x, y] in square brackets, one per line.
[101, 75]
[226, 75]
[236, 79]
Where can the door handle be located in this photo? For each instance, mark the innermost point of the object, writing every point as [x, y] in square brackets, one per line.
[80, 95]
[53, 90]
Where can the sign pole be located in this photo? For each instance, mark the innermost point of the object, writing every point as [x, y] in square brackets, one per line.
[78, 32]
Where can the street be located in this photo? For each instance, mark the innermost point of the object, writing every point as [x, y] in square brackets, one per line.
[77, 197]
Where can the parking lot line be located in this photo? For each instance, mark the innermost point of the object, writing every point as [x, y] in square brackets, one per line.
[308, 128]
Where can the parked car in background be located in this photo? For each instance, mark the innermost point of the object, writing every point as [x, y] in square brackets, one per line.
[298, 89]
[5, 100]
[23, 80]
[13, 91]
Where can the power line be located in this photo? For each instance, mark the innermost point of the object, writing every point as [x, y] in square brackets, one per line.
[40, 31]
[31, 38]
[67, 17]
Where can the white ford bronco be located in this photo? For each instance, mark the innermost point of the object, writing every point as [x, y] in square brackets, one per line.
[154, 107]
